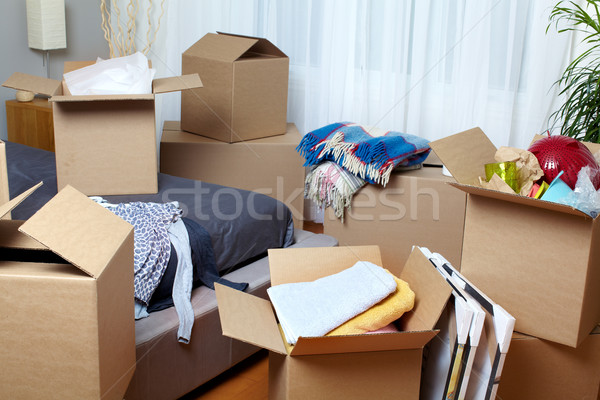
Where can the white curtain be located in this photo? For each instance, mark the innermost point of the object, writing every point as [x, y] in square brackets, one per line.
[430, 68]
[426, 67]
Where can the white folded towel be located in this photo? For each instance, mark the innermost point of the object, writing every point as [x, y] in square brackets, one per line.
[311, 309]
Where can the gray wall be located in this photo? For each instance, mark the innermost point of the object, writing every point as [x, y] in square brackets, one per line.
[85, 41]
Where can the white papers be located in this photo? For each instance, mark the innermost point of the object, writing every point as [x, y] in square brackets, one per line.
[121, 75]
[474, 368]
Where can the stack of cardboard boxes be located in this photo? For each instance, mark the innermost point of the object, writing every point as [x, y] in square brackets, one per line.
[71, 262]
[538, 260]
[234, 131]
[541, 262]
[415, 208]
[106, 145]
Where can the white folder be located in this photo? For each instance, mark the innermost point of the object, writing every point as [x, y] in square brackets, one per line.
[494, 341]
[455, 352]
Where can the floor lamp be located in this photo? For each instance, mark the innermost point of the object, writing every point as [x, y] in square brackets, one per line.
[46, 28]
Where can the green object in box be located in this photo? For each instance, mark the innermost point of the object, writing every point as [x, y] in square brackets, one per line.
[507, 171]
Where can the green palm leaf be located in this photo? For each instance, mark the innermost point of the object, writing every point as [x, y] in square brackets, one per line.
[579, 115]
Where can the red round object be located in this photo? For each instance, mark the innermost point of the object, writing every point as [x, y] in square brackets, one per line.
[562, 153]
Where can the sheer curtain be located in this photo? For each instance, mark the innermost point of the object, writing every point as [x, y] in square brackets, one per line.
[426, 67]
[430, 68]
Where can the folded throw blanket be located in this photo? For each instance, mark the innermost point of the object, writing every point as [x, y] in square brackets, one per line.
[361, 152]
[381, 314]
[389, 328]
[314, 308]
[329, 185]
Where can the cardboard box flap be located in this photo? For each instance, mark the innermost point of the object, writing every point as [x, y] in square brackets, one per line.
[431, 293]
[262, 46]
[514, 198]
[465, 154]
[101, 97]
[8, 207]
[309, 264]
[35, 84]
[172, 126]
[226, 48]
[248, 318]
[362, 343]
[78, 230]
[176, 83]
[70, 66]
[10, 237]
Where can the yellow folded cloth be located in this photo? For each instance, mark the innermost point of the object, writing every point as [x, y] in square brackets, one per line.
[381, 314]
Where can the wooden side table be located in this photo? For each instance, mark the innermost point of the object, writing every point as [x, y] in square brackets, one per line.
[30, 123]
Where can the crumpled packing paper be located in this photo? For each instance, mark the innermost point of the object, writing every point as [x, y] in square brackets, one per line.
[528, 166]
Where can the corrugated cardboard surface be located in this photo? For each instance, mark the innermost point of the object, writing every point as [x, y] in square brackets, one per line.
[538, 260]
[36, 84]
[64, 333]
[537, 369]
[300, 265]
[245, 88]
[332, 367]
[471, 149]
[369, 375]
[259, 98]
[268, 165]
[4, 193]
[542, 280]
[415, 208]
[106, 147]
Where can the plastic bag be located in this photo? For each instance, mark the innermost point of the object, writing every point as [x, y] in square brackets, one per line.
[585, 197]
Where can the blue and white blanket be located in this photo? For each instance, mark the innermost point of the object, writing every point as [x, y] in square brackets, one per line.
[367, 153]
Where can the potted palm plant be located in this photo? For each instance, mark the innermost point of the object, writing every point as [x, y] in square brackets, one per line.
[579, 115]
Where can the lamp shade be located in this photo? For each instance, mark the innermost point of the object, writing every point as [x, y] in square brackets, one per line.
[46, 24]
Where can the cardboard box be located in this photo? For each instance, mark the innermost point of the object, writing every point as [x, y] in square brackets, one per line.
[245, 88]
[105, 144]
[334, 367]
[270, 165]
[537, 259]
[4, 193]
[415, 208]
[539, 369]
[66, 295]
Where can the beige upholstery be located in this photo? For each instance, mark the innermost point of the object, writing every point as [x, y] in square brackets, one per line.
[167, 369]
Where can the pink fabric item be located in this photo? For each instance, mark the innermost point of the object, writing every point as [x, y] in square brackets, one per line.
[386, 329]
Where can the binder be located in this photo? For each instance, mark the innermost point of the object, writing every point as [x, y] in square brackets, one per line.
[452, 355]
[494, 341]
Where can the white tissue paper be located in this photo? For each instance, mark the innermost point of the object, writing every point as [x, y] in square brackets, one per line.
[121, 75]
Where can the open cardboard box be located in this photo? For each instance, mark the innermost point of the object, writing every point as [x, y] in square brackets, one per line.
[536, 369]
[245, 88]
[105, 144]
[537, 259]
[352, 367]
[66, 295]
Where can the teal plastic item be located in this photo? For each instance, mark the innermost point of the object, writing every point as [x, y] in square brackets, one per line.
[557, 191]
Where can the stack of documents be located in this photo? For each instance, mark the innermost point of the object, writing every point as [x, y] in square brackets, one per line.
[465, 360]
